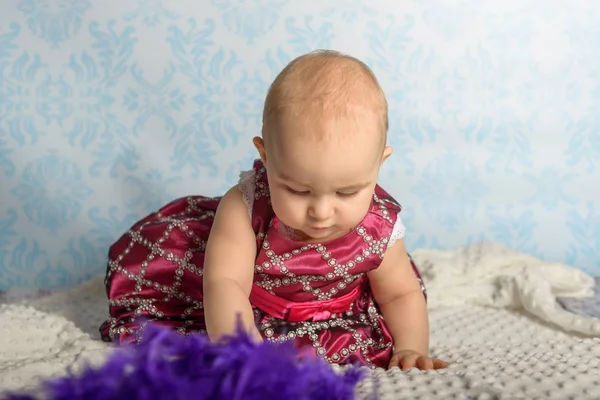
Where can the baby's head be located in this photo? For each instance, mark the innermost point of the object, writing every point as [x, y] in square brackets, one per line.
[323, 140]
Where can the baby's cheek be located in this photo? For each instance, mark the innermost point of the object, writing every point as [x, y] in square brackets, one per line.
[356, 211]
[287, 208]
[296, 209]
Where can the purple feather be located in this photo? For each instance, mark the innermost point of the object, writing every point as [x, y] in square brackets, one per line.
[169, 365]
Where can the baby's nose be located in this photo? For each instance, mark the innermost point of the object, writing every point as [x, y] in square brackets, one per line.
[320, 210]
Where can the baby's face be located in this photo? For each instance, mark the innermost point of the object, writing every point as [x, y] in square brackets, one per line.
[323, 188]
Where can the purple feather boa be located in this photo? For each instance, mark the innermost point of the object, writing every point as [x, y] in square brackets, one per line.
[167, 365]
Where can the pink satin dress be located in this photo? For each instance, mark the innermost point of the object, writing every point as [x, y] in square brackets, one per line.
[316, 294]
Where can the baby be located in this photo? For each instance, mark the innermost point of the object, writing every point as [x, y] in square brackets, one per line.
[306, 247]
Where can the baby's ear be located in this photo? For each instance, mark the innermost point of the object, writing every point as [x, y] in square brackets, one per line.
[259, 143]
[387, 151]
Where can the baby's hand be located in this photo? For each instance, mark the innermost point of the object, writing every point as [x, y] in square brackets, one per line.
[406, 359]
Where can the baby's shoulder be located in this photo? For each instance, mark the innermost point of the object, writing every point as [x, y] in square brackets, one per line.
[233, 203]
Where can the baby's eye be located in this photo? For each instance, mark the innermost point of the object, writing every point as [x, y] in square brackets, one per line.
[348, 194]
[298, 192]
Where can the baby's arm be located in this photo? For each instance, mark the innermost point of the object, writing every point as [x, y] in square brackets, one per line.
[398, 294]
[229, 269]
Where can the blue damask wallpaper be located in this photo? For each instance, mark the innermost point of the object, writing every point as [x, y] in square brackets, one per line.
[110, 108]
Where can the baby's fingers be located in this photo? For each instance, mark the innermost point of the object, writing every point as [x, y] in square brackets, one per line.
[424, 363]
[408, 361]
[394, 361]
[403, 361]
[439, 364]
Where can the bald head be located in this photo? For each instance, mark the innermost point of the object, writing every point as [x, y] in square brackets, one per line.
[325, 85]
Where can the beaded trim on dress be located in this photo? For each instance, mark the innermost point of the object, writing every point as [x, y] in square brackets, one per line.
[246, 185]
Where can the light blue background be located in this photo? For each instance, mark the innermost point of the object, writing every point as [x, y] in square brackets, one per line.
[110, 108]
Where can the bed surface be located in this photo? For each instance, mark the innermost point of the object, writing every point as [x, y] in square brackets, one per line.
[493, 312]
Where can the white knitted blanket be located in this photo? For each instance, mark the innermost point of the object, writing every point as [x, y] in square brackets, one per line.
[493, 314]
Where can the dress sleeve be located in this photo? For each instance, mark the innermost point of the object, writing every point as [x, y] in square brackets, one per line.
[398, 232]
[246, 185]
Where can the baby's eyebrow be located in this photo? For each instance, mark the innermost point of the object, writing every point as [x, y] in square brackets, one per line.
[350, 187]
[288, 178]
[355, 186]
